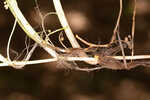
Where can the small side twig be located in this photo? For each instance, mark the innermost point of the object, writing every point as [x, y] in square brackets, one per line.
[90, 44]
[133, 27]
[117, 24]
[122, 50]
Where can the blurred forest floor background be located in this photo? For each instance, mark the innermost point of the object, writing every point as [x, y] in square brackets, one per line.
[92, 20]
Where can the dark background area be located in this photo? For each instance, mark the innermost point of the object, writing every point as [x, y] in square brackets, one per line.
[92, 20]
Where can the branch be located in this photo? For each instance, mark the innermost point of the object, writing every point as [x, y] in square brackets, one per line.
[117, 24]
[133, 27]
[21, 64]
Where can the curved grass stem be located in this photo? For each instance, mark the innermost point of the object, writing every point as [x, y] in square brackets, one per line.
[9, 40]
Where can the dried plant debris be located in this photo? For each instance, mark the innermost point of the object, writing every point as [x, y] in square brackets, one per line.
[104, 56]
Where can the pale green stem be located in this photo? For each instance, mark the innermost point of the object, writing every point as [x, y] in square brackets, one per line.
[65, 24]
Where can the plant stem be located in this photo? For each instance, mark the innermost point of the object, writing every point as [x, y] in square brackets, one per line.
[65, 24]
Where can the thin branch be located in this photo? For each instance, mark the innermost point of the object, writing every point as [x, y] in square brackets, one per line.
[9, 40]
[42, 19]
[122, 50]
[88, 69]
[90, 44]
[61, 39]
[31, 52]
[38, 9]
[43, 26]
[133, 27]
[135, 57]
[117, 24]
[18, 64]
[21, 64]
